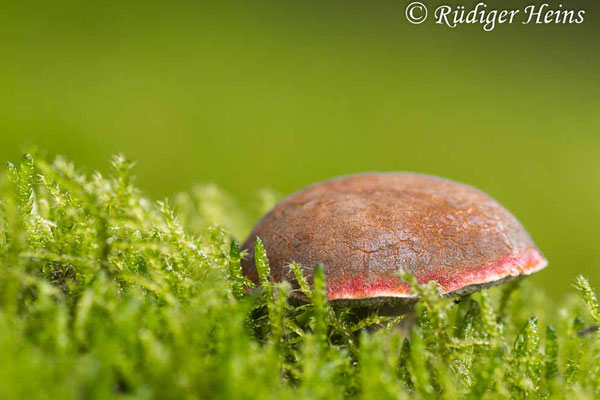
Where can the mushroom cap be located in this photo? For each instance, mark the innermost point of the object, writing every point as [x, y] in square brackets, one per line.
[367, 228]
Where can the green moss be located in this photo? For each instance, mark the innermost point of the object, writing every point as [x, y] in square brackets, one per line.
[106, 293]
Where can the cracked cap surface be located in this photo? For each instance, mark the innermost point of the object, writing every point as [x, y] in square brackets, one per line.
[366, 228]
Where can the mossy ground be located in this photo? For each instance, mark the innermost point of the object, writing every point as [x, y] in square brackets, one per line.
[105, 293]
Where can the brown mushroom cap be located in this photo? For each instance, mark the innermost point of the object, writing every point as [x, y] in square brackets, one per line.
[367, 228]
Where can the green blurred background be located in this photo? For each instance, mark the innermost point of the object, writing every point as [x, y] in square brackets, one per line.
[283, 94]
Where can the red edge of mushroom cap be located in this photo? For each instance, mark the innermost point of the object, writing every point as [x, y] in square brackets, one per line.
[525, 263]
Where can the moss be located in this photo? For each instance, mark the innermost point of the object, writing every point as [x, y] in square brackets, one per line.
[106, 293]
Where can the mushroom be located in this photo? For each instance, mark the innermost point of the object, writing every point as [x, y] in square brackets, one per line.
[366, 229]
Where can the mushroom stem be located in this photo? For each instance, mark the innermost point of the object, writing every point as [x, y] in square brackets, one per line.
[405, 326]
